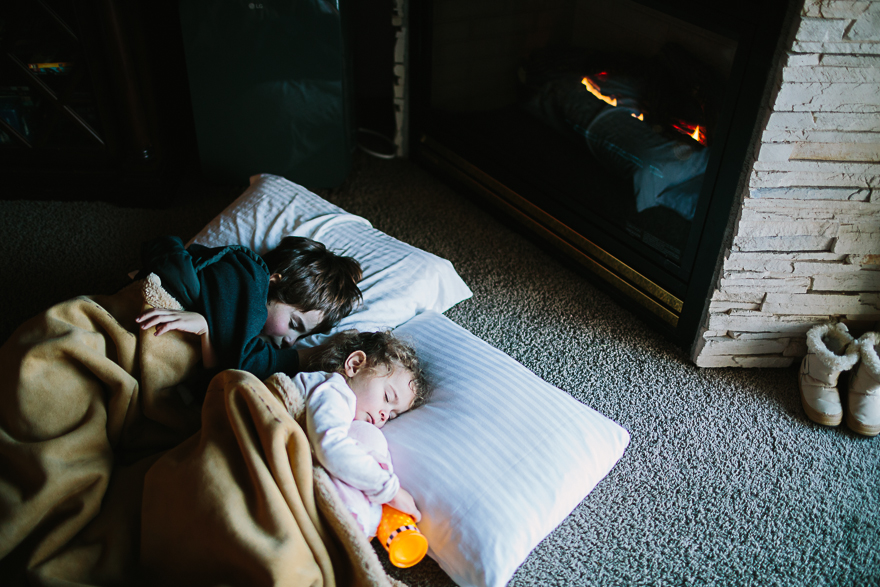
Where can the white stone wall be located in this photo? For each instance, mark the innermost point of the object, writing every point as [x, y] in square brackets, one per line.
[806, 244]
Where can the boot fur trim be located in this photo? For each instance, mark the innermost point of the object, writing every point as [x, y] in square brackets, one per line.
[868, 344]
[827, 340]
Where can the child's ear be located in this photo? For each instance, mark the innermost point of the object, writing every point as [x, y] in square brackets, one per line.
[275, 278]
[354, 363]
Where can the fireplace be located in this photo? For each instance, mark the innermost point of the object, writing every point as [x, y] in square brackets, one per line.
[615, 130]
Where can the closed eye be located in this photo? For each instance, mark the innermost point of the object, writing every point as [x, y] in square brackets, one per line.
[392, 414]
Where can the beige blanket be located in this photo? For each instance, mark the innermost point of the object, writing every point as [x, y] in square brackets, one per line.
[107, 477]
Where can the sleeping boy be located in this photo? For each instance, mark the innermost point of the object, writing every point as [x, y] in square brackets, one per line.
[248, 309]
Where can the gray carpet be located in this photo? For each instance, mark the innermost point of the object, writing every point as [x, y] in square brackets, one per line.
[725, 482]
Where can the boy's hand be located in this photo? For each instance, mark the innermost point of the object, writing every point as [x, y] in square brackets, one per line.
[165, 320]
[404, 502]
[193, 322]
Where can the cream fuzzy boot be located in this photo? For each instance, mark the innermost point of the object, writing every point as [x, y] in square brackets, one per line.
[829, 352]
[863, 407]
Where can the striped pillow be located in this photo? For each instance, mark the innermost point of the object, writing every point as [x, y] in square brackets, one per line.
[399, 281]
[497, 458]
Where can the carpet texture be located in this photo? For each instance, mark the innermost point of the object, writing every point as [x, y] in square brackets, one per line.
[725, 482]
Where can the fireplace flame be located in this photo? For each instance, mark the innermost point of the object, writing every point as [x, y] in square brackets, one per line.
[594, 89]
[694, 131]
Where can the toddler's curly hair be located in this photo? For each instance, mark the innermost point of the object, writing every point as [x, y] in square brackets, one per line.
[382, 349]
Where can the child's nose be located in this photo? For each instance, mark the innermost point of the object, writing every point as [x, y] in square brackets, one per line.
[288, 341]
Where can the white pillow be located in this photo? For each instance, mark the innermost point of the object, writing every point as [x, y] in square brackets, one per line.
[399, 281]
[497, 458]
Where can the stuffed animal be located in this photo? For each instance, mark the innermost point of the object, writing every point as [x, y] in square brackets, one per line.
[395, 530]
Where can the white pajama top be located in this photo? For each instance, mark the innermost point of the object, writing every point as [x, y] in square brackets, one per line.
[330, 410]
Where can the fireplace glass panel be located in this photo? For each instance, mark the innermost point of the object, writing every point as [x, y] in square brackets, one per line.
[610, 108]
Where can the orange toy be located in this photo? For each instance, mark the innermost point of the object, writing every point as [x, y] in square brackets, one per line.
[400, 536]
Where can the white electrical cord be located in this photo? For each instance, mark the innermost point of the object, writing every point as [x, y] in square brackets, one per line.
[376, 153]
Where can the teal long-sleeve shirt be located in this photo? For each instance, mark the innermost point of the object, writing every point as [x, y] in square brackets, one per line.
[229, 286]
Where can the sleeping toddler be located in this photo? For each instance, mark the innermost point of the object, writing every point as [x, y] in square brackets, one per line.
[370, 378]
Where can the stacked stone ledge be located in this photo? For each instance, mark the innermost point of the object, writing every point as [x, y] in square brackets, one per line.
[806, 244]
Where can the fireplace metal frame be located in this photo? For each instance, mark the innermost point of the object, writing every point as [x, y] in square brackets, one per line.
[671, 298]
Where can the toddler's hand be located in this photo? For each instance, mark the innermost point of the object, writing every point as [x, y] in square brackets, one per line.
[165, 320]
[404, 502]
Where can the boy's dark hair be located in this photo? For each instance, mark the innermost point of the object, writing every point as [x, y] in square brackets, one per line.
[314, 278]
[383, 349]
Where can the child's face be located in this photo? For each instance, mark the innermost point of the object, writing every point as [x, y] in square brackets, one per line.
[381, 395]
[286, 324]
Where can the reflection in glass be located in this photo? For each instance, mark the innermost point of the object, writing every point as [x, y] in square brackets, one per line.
[610, 107]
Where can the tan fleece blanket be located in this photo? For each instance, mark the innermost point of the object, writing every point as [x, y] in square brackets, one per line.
[107, 477]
